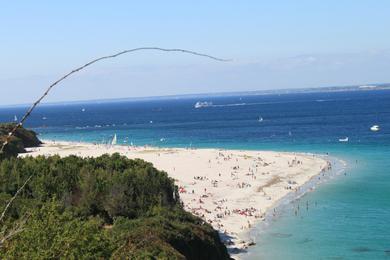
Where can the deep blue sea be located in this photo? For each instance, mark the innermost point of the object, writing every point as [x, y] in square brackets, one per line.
[348, 217]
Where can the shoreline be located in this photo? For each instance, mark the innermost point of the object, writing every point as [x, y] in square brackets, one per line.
[233, 190]
[286, 203]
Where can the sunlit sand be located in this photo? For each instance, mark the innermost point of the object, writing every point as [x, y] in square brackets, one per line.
[230, 189]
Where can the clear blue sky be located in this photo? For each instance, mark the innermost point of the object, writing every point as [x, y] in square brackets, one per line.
[274, 44]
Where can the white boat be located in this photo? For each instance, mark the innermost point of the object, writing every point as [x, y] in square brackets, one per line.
[15, 118]
[346, 139]
[83, 110]
[375, 128]
[114, 140]
[203, 104]
[44, 118]
[260, 119]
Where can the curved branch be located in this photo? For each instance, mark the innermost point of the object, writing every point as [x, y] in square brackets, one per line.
[13, 198]
[35, 104]
[30, 110]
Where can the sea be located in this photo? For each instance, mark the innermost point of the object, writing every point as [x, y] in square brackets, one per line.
[345, 217]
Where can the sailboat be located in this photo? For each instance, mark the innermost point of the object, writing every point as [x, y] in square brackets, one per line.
[15, 118]
[260, 119]
[114, 140]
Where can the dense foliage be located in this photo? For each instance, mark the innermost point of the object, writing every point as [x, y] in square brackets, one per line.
[22, 139]
[105, 207]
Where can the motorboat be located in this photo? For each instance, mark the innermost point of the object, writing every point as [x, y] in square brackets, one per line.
[375, 128]
[203, 104]
[346, 139]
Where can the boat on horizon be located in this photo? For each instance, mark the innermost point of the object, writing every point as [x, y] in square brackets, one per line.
[260, 119]
[375, 128]
[200, 104]
[15, 118]
[346, 139]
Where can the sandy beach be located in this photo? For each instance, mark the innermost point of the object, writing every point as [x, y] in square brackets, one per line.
[230, 189]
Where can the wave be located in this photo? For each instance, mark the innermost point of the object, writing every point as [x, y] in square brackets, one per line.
[241, 104]
[277, 102]
[330, 100]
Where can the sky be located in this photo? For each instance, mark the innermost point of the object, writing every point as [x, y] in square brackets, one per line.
[272, 44]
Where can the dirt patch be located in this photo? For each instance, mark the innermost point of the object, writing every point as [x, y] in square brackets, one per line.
[274, 180]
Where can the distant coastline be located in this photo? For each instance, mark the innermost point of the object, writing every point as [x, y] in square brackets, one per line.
[362, 87]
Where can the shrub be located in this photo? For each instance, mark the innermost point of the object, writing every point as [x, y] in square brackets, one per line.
[99, 208]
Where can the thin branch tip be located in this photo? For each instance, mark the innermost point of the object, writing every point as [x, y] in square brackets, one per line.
[30, 110]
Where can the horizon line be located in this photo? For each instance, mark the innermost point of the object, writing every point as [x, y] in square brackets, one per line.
[356, 87]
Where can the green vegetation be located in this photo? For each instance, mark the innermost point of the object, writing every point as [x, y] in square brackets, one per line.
[22, 139]
[99, 208]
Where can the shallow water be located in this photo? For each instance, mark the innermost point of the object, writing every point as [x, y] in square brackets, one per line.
[347, 217]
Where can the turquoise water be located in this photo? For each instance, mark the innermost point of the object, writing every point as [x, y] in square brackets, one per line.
[347, 217]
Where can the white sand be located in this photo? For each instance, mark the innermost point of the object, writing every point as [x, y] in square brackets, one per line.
[229, 189]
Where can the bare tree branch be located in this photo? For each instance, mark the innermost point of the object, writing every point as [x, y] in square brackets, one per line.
[13, 198]
[18, 227]
[30, 110]
[35, 104]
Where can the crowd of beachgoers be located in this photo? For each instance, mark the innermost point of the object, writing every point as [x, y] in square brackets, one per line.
[230, 189]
